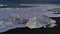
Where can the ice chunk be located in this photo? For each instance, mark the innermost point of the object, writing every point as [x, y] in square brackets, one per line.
[39, 21]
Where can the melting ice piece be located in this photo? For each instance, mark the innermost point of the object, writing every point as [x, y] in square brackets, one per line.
[39, 21]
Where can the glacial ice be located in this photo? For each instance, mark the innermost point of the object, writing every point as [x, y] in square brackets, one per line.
[40, 21]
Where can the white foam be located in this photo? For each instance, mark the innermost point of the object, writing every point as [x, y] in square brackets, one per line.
[42, 9]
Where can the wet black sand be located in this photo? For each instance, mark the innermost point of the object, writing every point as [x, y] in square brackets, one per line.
[54, 30]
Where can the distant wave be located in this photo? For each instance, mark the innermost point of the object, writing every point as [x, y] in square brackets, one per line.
[3, 5]
[26, 5]
[17, 6]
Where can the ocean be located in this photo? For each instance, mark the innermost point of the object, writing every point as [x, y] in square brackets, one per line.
[17, 3]
[27, 9]
[28, 1]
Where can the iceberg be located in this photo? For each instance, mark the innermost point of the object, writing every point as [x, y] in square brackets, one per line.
[40, 21]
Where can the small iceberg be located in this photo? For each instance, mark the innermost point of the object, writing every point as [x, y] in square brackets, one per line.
[40, 21]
